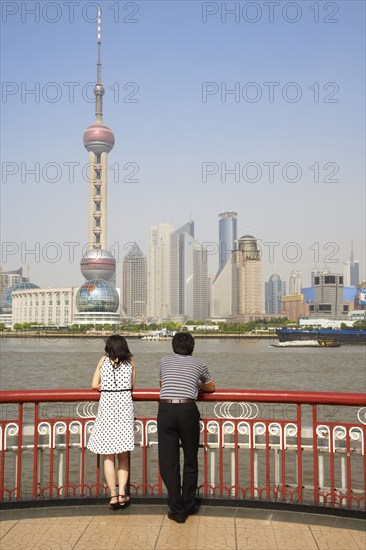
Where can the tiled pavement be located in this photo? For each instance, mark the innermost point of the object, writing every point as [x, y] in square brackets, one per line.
[147, 527]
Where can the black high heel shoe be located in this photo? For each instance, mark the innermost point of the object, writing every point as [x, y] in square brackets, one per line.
[113, 505]
[123, 500]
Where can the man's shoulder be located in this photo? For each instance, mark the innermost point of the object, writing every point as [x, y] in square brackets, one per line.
[168, 357]
[199, 362]
[175, 357]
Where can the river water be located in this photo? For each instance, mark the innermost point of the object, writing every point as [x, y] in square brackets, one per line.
[62, 363]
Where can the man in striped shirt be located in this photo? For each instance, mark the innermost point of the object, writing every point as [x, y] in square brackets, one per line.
[181, 377]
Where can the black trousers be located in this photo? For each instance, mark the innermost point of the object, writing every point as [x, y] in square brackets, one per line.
[179, 422]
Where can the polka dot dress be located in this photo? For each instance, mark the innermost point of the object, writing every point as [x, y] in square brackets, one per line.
[113, 431]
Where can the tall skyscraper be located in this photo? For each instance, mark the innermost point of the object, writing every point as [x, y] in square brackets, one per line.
[181, 266]
[247, 294]
[158, 271]
[135, 283]
[351, 270]
[275, 288]
[97, 300]
[227, 237]
[295, 285]
[188, 275]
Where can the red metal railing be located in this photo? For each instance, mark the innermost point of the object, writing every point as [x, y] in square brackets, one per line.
[294, 447]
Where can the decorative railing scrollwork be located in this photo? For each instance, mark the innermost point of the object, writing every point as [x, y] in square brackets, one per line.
[226, 410]
[151, 427]
[11, 430]
[86, 410]
[139, 431]
[361, 415]
[356, 434]
[279, 449]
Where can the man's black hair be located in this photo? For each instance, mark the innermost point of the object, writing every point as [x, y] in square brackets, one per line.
[183, 343]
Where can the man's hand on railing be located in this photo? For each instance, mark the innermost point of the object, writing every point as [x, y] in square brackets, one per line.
[210, 387]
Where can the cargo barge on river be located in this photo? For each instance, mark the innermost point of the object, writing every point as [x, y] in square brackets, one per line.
[344, 337]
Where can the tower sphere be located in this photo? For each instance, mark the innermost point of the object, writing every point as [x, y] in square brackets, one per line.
[97, 295]
[98, 264]
[99, 89]
[98, 138]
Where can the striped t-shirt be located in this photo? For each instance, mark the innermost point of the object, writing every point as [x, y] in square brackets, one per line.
[179, 375]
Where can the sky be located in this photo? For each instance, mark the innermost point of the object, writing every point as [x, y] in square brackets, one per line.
[256, 107]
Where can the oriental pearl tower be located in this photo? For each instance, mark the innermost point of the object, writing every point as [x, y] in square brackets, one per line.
[97, 299]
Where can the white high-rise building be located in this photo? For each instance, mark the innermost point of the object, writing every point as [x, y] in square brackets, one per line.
[295, 285]
[347, 273]
[222, 297]
[188, 275]
[158, 271]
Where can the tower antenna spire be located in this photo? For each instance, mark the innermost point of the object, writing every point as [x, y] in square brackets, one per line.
[98, 265]
[98, 88]
[99, 25]
[352, 256]
[98, 141]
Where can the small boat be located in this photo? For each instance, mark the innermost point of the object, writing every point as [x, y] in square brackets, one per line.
[151, 337]
[329, 343]
[349, 336]
[307, 344]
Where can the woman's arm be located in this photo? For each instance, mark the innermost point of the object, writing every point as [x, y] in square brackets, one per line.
[96, 378]
[133, 381]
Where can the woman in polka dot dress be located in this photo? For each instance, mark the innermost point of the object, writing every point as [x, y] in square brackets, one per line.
[113, 431]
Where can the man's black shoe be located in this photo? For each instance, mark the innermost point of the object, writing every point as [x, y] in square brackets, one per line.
[177, 518]
[193, 511]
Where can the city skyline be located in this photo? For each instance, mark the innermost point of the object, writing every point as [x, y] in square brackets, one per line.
[183, 139]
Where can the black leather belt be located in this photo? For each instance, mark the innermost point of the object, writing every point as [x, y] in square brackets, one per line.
[125, 389]
[177, 400]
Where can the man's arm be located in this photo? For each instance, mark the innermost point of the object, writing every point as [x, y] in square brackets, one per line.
[209, 386]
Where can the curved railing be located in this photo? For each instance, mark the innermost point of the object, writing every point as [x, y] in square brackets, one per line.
[264, 396]
[297, 448]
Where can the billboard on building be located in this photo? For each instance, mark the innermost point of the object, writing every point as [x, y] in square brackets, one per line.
[363, 295]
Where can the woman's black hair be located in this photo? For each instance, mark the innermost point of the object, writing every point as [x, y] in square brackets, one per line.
[116, 348]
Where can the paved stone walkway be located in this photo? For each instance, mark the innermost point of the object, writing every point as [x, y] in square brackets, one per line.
[147, 527]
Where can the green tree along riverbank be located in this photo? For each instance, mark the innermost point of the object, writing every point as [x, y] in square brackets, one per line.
[144, 327]
[201, 329]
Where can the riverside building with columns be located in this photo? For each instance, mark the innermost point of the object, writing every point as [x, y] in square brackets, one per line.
[44, 306]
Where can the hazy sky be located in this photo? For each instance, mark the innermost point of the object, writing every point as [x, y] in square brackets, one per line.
[292, 130]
